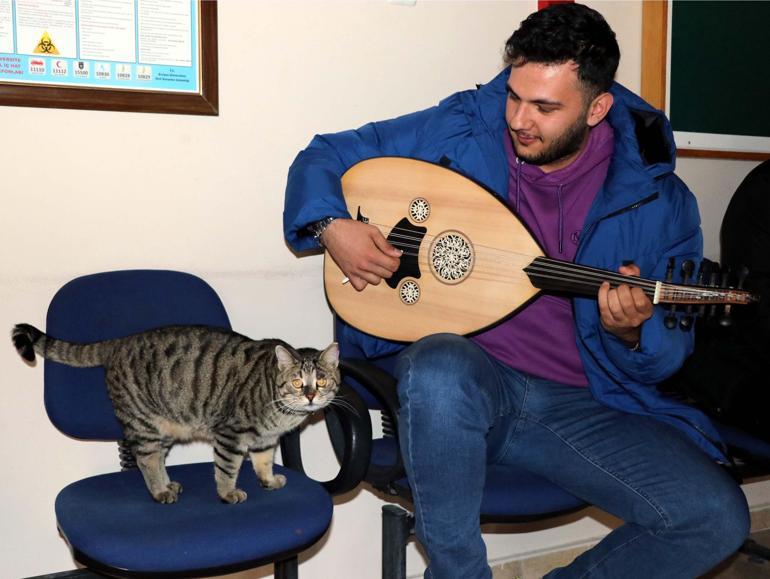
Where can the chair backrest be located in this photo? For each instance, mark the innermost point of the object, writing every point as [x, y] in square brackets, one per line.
[112, 305]
[351, 351]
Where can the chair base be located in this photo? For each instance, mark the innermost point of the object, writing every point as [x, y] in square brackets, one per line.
[74, 574]
[285, 569]
[755, 551]
[397, 528]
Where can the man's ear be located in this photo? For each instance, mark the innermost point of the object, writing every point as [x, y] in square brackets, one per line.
[599, 108]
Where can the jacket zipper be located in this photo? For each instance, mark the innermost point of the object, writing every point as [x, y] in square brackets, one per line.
[634, 206]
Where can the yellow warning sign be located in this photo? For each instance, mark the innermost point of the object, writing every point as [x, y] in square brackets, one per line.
[46, 45]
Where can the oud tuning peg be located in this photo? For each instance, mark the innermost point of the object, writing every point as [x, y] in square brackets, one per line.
[725, 320]
[670, 269]
[670, 320]
[686, 323]
[703, 274]
[688, 267]
[742, 275]
[713, 282]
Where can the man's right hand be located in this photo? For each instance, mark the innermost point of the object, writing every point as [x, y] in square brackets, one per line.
[361, 252]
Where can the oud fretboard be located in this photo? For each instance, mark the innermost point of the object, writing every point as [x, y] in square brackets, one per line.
[555, 275]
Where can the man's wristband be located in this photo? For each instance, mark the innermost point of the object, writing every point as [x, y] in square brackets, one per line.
[317, 228]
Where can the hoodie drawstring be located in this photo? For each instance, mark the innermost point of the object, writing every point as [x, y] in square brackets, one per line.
[561, 219]
[519, 163]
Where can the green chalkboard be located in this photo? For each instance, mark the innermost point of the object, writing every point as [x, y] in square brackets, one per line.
[720, 67]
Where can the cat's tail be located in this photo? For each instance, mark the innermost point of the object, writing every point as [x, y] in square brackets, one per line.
[28, 340]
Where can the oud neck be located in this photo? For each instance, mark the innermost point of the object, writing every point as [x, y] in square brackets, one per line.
[556, 275]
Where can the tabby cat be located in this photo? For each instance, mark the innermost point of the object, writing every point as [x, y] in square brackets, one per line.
[185, 383]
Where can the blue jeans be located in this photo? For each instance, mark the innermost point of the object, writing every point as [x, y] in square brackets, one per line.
[462, 410]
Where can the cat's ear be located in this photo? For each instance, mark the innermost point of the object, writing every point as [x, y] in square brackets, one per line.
[285, 358]
[331, 355]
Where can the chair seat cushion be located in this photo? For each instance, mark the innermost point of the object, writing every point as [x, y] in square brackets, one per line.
[743, 441]
[111, 520]
[509, 491]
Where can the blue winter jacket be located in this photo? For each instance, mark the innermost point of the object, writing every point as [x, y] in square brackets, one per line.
[643, 213]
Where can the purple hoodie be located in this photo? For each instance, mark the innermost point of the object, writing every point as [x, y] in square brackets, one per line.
[540, 339]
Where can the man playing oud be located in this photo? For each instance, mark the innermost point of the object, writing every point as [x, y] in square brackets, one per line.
[566, 388]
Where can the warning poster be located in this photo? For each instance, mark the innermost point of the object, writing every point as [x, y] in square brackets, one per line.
[118, 44]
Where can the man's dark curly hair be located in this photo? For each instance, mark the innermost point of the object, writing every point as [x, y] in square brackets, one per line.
[564, 32]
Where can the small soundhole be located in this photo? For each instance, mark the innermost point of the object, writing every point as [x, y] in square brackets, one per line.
[419, 210]
[409, 292]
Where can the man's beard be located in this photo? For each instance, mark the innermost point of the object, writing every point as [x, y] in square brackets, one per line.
[566, 144]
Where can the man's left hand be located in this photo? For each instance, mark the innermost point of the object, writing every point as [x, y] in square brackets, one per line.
[624, 309]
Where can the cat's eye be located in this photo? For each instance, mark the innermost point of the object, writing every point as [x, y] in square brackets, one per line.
[297, 383]
[321, 382]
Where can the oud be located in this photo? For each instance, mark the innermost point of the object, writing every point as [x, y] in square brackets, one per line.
[468, 261]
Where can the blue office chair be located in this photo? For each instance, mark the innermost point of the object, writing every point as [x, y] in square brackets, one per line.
[511, 495]
[110, 522]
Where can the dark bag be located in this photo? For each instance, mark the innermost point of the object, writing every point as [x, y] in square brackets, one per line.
[728, 375]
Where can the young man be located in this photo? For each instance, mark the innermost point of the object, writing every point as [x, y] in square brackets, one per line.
[565, 388]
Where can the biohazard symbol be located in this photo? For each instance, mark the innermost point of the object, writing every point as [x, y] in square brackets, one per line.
[46, 45]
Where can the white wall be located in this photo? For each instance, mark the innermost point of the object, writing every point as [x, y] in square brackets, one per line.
[87, 191]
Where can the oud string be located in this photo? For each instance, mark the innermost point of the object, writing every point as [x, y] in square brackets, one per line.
[495, 264]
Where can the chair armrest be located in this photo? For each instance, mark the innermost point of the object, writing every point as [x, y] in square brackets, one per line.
[347, 419]
[382, 386]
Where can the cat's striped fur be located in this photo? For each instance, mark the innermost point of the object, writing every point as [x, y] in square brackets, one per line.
[185, 383]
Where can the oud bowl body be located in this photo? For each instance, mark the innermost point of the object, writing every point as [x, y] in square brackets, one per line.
[469, 260]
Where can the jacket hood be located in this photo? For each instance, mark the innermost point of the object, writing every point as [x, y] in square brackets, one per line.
[644, 152]
[643, 134]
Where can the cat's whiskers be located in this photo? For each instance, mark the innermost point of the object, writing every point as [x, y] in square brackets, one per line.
[269, 405]
[338, 401]
[287, 408]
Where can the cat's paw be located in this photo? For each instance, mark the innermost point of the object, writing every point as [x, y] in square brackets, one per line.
[234, 496]
[277, 482]
[166, 497]
[170, 494]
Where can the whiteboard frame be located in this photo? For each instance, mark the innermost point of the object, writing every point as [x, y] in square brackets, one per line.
[656, 61]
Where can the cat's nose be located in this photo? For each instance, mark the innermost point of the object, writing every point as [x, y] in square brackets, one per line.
[310, 396]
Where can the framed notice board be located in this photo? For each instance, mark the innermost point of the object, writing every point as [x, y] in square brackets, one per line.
[126, 55]
[706, 64]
